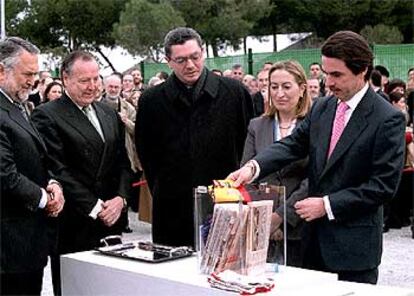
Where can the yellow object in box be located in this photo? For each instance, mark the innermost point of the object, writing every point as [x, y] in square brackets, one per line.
[223, 191]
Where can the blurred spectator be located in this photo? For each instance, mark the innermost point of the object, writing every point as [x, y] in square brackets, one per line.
[246, 81]
[385, 74]
[100, 90]
[410, 79]
[227, 73]
[267, 66]
[314, 88]
[138, 81]
[260, 97]
[162, 75]
[375, 81]
[127, 85]
[53, 91]
[154, 81]
[237, 72]
[396, 85]
[217, 72]
[315, 71]
[37, 97]
[397, 99]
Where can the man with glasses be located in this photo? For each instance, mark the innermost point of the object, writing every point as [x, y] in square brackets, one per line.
[190, 130]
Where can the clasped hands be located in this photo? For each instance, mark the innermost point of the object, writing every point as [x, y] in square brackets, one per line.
[111, 210]
[55, 200]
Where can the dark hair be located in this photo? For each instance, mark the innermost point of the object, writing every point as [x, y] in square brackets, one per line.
[376, 78]
[393, 84]
[48, 89]
[179, 36]
[236, 66]
[395, 97]
[162, 75]
[71, 58]
[409, 70]
[352, 49]
[382, 70]
[12, 47]
[315, 63]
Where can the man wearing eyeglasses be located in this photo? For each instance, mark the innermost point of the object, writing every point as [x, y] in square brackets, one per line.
[190, 130]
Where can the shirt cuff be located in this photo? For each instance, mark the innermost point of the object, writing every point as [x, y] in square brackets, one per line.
[43, 199]
[256, 171]
[96, 209]
[327, 205]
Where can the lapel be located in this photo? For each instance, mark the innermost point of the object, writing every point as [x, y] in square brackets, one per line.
[326, 117]
[75, 117]
[356, 125]
[104, 120]
[16, 115]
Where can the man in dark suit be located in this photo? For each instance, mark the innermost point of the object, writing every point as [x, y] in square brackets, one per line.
[28, 195]
[86, 141]
[190, 130]
[355, 143]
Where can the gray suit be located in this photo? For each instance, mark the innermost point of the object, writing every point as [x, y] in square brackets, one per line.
[361, 174]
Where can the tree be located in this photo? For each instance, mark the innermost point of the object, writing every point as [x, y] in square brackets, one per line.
[222, 22]
[382, 34]
[60, 26]
[143, 25]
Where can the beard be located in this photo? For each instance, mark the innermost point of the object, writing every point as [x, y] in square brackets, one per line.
[16, 93]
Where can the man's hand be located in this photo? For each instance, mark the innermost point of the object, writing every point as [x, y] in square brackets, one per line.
[124, 117]
[277, 235]
[242, 176]
[55, 200]
[310, 208]
[111, 210]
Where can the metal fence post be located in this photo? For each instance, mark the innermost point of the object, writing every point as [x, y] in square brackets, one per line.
[250, 61]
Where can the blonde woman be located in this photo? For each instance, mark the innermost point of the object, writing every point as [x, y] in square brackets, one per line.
[288, 104]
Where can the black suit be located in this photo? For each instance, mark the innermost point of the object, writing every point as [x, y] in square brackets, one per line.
[361, 174]
[88, 168]
[23, 172]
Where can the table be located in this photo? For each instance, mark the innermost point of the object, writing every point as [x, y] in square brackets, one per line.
[91, 273]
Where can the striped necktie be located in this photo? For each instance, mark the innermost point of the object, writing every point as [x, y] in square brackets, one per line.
[338, 126]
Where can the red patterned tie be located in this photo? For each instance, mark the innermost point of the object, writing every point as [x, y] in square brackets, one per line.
[338, 126]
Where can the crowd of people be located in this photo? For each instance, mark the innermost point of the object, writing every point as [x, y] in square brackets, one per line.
[339, 138]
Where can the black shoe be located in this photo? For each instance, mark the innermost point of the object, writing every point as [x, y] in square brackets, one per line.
[127, 230]
[385, 229]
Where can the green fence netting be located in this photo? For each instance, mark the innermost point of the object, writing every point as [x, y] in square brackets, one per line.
[396, 58]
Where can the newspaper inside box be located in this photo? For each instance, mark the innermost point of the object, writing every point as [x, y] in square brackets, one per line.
[235, 235]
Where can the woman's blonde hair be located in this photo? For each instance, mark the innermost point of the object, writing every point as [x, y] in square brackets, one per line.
[297, 71]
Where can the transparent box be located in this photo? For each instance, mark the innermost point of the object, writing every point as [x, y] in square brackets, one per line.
[235, 235]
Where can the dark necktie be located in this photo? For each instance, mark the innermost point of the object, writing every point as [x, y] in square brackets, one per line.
[22, 110]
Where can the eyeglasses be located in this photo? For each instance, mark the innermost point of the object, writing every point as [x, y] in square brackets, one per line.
[195, 57]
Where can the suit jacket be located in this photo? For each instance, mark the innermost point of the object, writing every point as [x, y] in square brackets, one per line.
[183, 143]
[294, 176]
[88, 168]
[361, 174]
[258, 104]
[23, 172]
